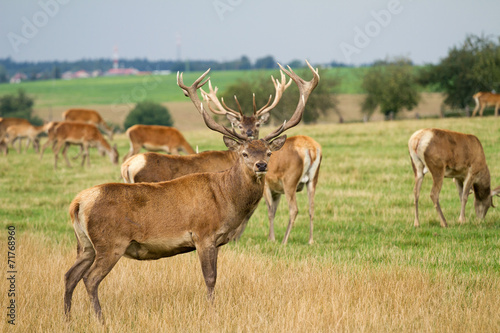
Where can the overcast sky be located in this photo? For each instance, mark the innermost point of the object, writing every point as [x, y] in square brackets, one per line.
[353, 32]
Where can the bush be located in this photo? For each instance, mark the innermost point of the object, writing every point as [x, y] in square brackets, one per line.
[18, 106]
[148, 113]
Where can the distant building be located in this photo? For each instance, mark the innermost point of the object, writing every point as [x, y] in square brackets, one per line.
[121, 71]
[81, 74]
[18, 77]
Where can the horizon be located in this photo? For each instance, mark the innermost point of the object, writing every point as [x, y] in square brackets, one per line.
[353, 33]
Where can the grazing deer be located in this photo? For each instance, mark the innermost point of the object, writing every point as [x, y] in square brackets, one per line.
[28, 131]
[156, 138]
[150, 221]
[455, 155]
[290, 169]
[88, 116]
[85, 135]
[4, 124]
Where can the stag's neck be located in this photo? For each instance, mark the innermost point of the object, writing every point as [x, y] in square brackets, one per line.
[245, 189]
[482, 186]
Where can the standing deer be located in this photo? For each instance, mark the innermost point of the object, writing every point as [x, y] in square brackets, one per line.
[88, 116]
[485, 99]
[448, 154]
[156, 138]
[85, 135]
[150, 221]
[28, 131]
[290, 169]
[4, 124]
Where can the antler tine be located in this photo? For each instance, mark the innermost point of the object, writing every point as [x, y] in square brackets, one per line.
[255, 112]
[212, 96]
[191, 91]
[238, 104]
[305, 89]
[213, 125]
[231, 110]
[280, 87]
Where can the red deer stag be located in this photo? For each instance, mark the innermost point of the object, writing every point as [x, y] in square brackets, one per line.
[156, 138]
[448, 154]
[84, 135]
[153, 167]
[290, 169]
[485, 99]
[249, 126]
[28, 131]
[88, 116]
[131, 220]
[4, 124]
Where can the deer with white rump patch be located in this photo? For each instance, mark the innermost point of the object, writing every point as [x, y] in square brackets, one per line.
[448, 154]
[149, 221]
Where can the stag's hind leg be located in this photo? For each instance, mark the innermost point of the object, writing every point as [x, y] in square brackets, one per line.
[311, 190]
[437, 178]
[105, 259]
[418, 170]
[84, 260]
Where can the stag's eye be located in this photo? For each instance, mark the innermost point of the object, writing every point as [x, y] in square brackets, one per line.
[240, 127]
[245, 155]
[257, 125]
[269, 154]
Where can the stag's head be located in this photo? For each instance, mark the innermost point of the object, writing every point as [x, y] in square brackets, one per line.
[483, 200]
[255, 153]
[246, 125]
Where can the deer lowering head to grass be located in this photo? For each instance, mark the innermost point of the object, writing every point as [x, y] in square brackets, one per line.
[82, 134]
[448, 154]
[156, 138]
[150, 221]
[292, 168]
[88, 116]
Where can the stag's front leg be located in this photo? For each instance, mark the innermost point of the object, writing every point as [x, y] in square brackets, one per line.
[208, 259]
[467, 186]
[272, 201]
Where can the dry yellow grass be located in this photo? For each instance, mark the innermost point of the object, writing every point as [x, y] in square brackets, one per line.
[253, 294]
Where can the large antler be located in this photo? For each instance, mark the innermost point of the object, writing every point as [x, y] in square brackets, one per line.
[280, 87]
[192, 92]
[305, 89]
[222, 109]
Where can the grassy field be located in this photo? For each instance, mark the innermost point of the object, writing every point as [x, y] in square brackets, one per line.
[369, 269]
[132, 89]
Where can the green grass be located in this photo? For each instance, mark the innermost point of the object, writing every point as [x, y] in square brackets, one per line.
[132, 89]
[364, 201]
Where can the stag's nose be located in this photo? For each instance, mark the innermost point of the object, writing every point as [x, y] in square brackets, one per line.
[249, 133]
[261, 166]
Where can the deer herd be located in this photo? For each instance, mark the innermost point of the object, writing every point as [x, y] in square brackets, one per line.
[155, 213]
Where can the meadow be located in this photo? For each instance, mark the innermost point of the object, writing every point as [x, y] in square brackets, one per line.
[369, 269]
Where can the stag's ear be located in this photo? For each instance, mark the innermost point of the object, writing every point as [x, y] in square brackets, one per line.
[231, 143]
[277, 143]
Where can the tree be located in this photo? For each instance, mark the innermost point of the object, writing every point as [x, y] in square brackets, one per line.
[391, 86]
[468, 68]
[18, 106]
[148, 113]
[265, 63]
[320, 102]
